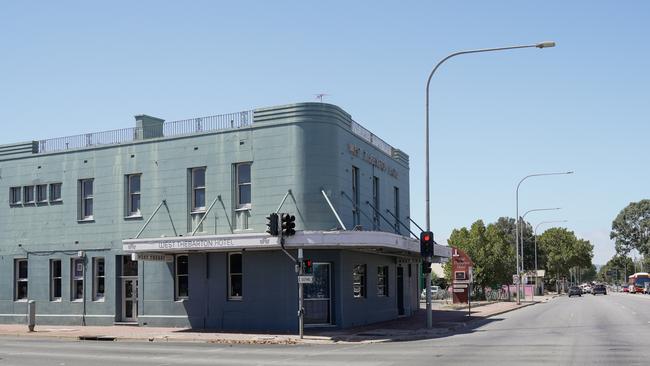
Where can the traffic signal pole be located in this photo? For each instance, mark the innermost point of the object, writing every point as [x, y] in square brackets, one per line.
[301, 309]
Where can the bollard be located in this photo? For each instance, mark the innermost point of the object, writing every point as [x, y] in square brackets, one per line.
[31, 315]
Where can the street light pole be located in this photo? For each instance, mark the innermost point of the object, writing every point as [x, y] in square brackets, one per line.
[517, 223]
[535, 239]
[540, 45]
[521, 231]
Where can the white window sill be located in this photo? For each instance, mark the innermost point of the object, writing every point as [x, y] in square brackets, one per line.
[198, 211]
[238, 298]
[21, 300]
[182, 299]
[56, 300]
[77, 300]
[244, 208]
[56, 201]
[88, 219]
[101, 299]
[133, 217]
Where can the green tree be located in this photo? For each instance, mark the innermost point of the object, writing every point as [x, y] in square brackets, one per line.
[490, 249]
[564, 252]
[631, 228]
[620, 266]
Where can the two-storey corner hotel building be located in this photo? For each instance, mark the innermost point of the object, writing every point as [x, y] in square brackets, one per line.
[164, 224]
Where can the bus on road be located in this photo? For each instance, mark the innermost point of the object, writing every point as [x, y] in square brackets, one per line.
[636, 282]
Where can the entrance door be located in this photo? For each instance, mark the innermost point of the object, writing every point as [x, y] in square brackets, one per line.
[400, 290]
[129, 299]
[317, 297]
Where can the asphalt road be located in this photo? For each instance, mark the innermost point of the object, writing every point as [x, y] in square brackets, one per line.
[591, 330]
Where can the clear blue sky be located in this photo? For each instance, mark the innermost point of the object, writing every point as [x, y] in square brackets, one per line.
[73, 67]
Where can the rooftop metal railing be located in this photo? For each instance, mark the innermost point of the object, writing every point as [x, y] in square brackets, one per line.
[371, 138]
[170, 129]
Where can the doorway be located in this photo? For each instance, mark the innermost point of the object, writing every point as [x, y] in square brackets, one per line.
[129, 289]
[318, 296]
[400, 290]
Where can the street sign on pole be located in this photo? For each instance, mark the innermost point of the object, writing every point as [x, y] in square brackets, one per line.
[305, 279]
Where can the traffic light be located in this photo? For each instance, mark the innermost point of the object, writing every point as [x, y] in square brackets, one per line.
[272, 224]
[288, 223]
[426, 267]
[307, 267]
[426, 244]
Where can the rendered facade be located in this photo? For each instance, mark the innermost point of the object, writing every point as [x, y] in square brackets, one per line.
[164, 224]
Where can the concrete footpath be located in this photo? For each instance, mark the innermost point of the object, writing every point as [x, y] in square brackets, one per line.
[446, 320]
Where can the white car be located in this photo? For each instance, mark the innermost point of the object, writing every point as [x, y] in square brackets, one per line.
[434, 290]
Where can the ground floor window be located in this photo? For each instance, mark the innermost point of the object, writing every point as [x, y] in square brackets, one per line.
[382, 281]
[77, 279]
[55, 279]
[21, 278]
[359, 280]
[182, 277]
[99, 278]
[235, 276]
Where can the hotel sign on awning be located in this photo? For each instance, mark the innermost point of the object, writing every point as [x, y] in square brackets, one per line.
[199, 243]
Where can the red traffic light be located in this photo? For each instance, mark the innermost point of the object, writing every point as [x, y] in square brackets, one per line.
[426, 237]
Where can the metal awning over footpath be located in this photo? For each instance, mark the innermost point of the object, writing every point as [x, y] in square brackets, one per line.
[381, 242]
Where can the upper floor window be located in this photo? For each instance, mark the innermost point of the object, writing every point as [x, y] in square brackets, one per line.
[15, 195]
[356, 214]
[55, 192]
[198, 189]
[41, 193]
[28, 192]
[133, 194]
[21, 279]
[86, 197]
[375, 202]
[244, 185]
[396, 208]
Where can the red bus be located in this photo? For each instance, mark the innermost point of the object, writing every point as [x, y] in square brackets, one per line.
[636, 282]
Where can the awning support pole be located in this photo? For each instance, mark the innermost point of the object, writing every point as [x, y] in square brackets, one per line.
[333, 209]
[403, 224]
[205, 214]
[170, 217]
[282, 203]
[164, 202]
[415, 223]
[388, 222]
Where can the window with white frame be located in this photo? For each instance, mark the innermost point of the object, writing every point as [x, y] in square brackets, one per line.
[198, 189]
[359, 280]
[21, 279]
[235, 276]
[396, 208]
[244, 185]
[133, 194]
[28, 194]
[41, 193]
[99, 278]
[15, 197]
[356, 214]
[86, 197]
[55, 192]
[182, 277]
[375, 202]
[55, 279]
[382, 281]
[77, 279]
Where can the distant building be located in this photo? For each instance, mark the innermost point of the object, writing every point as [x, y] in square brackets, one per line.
[164, 224]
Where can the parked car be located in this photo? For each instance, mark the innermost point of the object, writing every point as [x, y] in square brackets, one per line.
[626, 289]
[599, 289]
[434, 290]
[586, 289]
[575, 291]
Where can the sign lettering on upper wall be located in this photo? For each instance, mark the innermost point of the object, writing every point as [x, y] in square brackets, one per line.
[372, 160]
